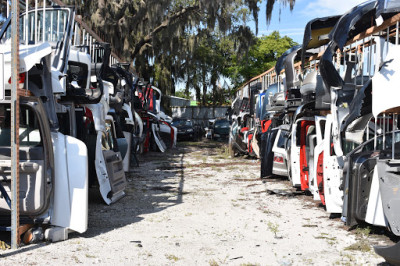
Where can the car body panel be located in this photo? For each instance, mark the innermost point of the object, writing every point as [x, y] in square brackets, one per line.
[71, 183]
[279, 149]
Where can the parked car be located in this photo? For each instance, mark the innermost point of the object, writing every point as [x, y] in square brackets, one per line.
[187, 129]
[220, 128]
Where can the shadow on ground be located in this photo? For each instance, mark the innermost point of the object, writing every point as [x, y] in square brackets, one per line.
[157, 184]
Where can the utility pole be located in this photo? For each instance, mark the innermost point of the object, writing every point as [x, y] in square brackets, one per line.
[14, 123]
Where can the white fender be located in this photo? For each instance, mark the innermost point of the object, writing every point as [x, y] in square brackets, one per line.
[375, 214]
[158, 140]
[139, 123]
[71, 183]
[101, 170]
[127, 158]
[332, 173]
[294, 158]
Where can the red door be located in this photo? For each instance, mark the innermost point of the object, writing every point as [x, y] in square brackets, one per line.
[304, 176]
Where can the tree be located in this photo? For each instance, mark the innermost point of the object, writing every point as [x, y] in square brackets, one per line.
[159, 36]
[167, 40]
[262, 56]
[271, 3]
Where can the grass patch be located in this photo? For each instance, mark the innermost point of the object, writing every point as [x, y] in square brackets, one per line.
[361, 245]
[363, 231]
[223, 152]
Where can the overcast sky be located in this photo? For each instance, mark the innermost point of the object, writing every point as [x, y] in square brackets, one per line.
[292, 23]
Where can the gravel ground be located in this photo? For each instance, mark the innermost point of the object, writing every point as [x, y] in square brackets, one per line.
[195, 205]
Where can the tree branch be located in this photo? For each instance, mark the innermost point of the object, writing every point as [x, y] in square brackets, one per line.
[149, 37]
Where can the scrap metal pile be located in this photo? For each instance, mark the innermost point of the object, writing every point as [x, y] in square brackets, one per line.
[326, 116]
[83, 118]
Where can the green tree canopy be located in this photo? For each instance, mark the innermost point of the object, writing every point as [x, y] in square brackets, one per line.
[262, 56]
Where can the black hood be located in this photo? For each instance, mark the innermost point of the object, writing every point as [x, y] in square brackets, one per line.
[281, 60]
[357, 20]
[314, 33]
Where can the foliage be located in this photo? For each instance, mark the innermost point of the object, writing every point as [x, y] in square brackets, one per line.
[169, 41]
[262, 56]
[271, 3]
[182, 94]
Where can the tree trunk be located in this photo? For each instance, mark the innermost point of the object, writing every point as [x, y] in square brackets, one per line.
[204, 86]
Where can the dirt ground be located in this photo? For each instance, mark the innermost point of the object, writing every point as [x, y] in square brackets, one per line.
[195, 205]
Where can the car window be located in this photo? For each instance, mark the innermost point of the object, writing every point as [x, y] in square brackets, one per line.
[282, 139]
[29, 133]
[177, 122]
[222, 124]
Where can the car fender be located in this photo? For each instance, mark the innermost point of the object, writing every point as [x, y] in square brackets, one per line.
[70, 206]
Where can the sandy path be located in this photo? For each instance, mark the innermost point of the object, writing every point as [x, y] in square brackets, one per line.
[196, 206]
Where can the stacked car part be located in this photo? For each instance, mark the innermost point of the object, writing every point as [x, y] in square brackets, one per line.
[79, 125]
[340, 120]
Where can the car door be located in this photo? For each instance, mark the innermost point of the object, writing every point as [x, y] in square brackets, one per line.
[36, 158]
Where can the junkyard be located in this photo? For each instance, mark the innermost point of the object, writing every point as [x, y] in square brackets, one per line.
[173, 215]
[165, 132]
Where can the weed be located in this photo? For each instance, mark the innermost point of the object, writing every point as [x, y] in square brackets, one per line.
[224, 152]
[188, 214]
[310, 225]
[361, 245]
[363, 232]
[213, 263]
[171, 257]
[325, 236]
[273, 227]
[76, 259]
[90, 256]
[307, 261]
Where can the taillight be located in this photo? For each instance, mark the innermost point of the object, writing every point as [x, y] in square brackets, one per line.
[21, 80]
[278, 159]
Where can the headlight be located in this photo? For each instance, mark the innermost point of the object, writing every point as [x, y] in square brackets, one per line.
[190, 130]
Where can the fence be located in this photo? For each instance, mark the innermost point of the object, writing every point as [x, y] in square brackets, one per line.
[199, 113]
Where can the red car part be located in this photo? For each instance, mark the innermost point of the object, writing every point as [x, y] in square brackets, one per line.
[320, 177]
[265, 125]
[304, 171]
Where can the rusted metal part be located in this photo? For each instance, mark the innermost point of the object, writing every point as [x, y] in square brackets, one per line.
[14, 124]
[23, 228]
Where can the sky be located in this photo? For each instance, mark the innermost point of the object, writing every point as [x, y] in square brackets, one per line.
[292, 23]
